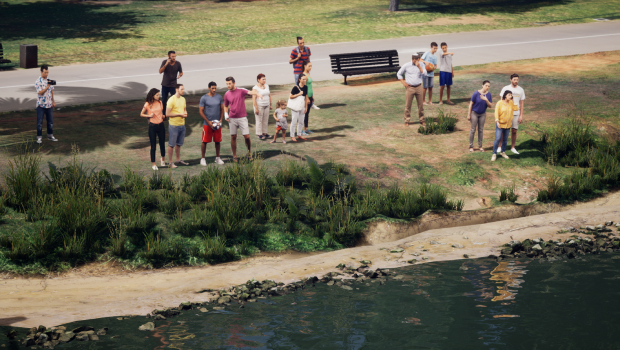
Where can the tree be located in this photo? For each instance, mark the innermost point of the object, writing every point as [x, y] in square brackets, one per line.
[393, 5]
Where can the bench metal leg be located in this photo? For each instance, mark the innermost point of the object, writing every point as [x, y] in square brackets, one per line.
[345, 80]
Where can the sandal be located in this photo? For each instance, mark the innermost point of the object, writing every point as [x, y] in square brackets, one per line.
[481, 149]
[272, 141]
[471, 149]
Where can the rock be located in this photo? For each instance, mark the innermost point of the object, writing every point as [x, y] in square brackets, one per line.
[12, 334]
[66, 337]
[514, 243]
[434, 242]
[203, 309]
[102, 331]
[218, 308]
[537, 247]
[425, 258]
[340, 266]
[82, 329]
[185, 306]
[397, 250]
[28, 342]
[609, 223]
[590, 228]
[149, 326]
[412, 261]
[466, 256]
[330, 283]
[42, 338]
[366, 262]
[346, 287]
[159, 317]
[456, 245]
[537, 240]
[399, 277]
[48, 345]
[41, 329]
[83, 336]
[93, 337]
[464, 268]
[167, 313]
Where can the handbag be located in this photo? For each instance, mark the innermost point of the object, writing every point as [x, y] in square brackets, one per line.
[297, 103]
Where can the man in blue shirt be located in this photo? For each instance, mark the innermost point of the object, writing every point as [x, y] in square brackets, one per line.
[427, 84]
[211, 109]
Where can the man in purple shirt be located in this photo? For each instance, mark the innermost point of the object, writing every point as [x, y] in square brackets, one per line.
[236, 115]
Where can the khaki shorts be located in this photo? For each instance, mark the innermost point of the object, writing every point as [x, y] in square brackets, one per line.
[236, 124]
[515, 121]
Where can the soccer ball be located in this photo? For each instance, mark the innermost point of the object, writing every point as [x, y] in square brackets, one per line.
[216, 125]
[430, 67]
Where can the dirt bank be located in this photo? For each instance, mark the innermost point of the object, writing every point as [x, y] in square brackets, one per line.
[71, 297]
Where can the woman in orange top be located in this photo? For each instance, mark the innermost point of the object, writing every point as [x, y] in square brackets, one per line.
[153, 109]
[503, 122]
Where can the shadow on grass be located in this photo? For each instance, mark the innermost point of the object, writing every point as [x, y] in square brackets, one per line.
[460, 7]
[332, 105]
[66, 20]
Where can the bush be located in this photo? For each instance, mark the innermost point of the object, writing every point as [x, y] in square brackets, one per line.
[444, 124]
[508, 194]
[23, 178]
[573, 144]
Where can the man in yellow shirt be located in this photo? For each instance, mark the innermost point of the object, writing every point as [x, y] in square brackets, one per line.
[176, 111]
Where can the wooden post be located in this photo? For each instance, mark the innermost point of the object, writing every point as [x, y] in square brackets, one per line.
[393, 5]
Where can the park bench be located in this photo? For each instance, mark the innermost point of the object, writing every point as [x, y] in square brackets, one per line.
[2, 60]
[358, 63]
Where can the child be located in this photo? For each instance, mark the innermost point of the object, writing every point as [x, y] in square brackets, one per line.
[280, 115]
[446, 73]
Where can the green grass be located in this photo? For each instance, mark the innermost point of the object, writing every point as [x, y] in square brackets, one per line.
[95, 32]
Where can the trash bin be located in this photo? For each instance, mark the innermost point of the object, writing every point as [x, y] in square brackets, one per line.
[28, 56]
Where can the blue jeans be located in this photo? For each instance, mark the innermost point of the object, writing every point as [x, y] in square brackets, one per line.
[164, 95]
[47, 112]
[499, 132]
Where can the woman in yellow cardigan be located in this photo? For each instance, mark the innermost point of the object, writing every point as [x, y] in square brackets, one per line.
[503, 122]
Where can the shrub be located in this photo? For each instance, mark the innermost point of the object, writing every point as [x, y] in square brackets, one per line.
[173, 202]
[444, 124]
[132, 182]
[23, 178]
[292, 173]
[573, 144]
[214, 249]
[158, 181]
[508, 194]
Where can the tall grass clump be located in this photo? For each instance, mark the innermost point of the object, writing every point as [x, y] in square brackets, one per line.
[508, 194]
[23, 178]
[572, 144]
[443, 124]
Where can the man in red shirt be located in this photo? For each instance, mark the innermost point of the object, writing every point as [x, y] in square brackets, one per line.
[299, 55]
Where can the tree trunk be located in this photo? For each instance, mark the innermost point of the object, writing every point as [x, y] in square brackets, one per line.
[393, 5]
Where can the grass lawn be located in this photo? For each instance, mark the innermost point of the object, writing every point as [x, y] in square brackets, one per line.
[70, 32]
[360, 125]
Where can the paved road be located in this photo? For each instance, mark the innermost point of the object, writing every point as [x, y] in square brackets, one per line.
[115, 81]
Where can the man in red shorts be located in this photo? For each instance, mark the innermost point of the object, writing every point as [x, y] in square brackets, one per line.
[212, 111]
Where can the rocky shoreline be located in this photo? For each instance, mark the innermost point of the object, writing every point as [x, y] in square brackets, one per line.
[346, 277]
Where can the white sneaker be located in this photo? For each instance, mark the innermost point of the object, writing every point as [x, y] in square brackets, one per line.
[499, 150]
[51, 138]
[39, 139]
[163, 162]
[315, 107]
[155, 167]
[203, 162]
[493, 157]
[219, 161]
[513, 150]
[505, 155]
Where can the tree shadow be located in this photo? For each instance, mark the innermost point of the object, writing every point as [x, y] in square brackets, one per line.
[483, 7]
[7, 321]
[67, 20]
[331, 105]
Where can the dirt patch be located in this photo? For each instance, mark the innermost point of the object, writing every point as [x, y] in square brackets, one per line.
[552, 65]
[478, 19]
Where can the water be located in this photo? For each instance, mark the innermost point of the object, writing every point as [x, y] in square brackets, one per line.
[523, 304]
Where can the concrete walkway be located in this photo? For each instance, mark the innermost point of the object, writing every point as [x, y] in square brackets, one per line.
[125, 80]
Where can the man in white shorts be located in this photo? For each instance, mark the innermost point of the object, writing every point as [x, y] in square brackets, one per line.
[236, 114]
[518, 96]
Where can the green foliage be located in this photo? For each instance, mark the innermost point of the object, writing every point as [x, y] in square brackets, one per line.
[214, 249]
[157, 181]
[443, 124]
[292, 173]
[572, 144]
[467, 173]
[508, 194]
[23, 177]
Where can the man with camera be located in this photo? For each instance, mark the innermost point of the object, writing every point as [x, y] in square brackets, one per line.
[45, 104]
[172, 70]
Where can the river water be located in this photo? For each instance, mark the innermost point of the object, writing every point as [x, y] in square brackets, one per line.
[466, 304]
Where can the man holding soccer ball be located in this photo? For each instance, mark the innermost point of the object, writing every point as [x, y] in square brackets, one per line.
[212, 111]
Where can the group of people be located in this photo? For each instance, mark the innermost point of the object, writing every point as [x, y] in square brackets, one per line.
[417, 77]
[169, 104]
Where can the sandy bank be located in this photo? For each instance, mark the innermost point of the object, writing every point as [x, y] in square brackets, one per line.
[28, 302]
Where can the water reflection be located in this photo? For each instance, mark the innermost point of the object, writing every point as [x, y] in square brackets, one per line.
[448, 305]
